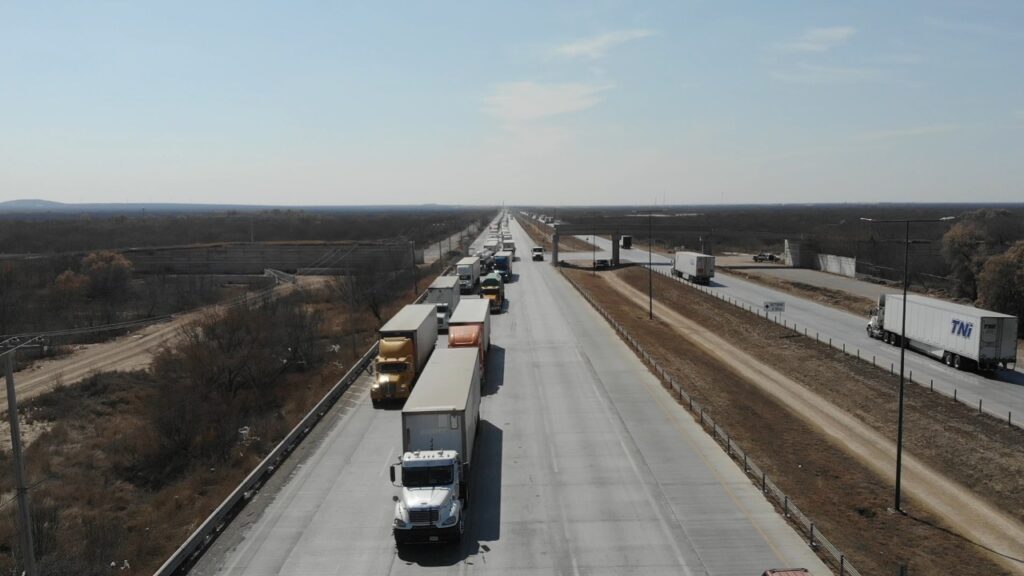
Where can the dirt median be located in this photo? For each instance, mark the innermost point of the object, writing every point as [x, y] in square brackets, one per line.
[846, 496]
[829, 297]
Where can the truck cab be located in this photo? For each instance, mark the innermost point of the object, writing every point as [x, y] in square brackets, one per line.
[492, 287]
[395, 370]
[429, 508]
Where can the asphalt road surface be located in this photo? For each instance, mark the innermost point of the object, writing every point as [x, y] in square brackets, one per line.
[585, 465]
[1000, 395]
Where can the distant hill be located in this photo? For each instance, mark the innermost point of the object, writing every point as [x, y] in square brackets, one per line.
[30, 204]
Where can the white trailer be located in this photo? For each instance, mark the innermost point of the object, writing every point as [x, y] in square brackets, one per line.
[468, 270]
[963, 337]
[443, 292]
[694, 266]
[439, 426]
[475, 312]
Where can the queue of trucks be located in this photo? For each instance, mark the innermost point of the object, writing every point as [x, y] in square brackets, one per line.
[441, 389]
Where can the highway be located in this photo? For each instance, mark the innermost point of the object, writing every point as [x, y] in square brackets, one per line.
[1000, 395]
[585, 465]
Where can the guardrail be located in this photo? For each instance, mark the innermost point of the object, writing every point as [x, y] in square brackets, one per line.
[203, 536]
[200, 539]
[847, 348]
[815, 539]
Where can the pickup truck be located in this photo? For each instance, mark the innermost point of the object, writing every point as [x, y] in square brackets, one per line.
[538, 254]
[766, 257]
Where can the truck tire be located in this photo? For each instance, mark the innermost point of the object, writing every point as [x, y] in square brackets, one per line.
[958, 363]
[947, 359]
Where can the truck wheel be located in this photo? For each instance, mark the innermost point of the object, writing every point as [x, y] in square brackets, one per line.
[376, 403]
[946, 359]
[957, 362]
[460, 529]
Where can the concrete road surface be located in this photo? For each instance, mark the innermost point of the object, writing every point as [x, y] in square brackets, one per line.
[585, 465]
[1000, 395]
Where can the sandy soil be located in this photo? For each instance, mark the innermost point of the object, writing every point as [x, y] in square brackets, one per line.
[837, 467]
[131, 352]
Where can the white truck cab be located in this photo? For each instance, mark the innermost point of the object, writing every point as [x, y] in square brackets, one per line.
[430, 506]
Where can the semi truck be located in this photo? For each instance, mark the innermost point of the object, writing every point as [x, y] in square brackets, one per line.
[491, 244]
[474, 312]
[443, 293]
[508, 245]
[470, 336]
[693, 266]
[439, 426]
[964, 337]
[503, 265]
[492, 288]
[406, 343]
[468, 270]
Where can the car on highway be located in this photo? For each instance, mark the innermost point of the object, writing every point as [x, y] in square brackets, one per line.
[766, 257]
[538, 253]
[602, 264]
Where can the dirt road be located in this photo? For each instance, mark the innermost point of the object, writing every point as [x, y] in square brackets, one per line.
[132, 352]
[957, 506]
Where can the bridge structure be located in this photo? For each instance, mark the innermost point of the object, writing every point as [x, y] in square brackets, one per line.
[616, 228]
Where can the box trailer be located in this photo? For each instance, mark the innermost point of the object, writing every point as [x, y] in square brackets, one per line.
[406, 343]
[963, 337]
[503, 265]
[694, 266]
[474, 312]
[468, 270]
[439, 425]
[443, 293]
[470, 336]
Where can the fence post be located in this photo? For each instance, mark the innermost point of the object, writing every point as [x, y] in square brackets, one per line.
[911, 375]
[979, 405]
[764, 483]
[785, 505]
[1009, 418]
[745, 469]
[842, 565]
[812, 535]
[931, 384]
[954, 393]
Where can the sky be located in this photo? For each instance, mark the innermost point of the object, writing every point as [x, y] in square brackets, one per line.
[338, 103]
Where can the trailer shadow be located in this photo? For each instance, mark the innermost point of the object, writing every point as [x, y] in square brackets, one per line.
[483, 517]
[495, 371]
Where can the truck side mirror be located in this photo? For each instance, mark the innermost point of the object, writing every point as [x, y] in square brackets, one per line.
[392, 473]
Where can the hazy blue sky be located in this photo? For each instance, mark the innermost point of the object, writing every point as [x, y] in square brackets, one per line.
[527, 102]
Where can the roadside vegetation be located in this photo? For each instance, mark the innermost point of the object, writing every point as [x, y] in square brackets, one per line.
[542, 235]
[128, 464]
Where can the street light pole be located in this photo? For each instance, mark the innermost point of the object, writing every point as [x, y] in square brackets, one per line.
[650, 269]
[897, 494]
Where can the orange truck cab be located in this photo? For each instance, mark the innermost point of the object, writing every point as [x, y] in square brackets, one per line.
[469, 336]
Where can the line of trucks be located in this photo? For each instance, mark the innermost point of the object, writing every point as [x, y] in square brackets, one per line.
[440, 417]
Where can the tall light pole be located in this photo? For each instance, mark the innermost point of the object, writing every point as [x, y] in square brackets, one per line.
[650, 268]
[903, 345]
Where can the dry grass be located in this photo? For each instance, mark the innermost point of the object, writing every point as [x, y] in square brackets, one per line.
[835, 298]
[847, 499]
[89, 505]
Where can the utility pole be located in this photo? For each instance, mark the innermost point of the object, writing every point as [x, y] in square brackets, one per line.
[24, 516]
[650, 268]
[593, 244]
[897, 495]
[352, 313]
[415, 281]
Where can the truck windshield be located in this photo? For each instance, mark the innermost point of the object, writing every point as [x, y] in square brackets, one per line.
[490, 290]
[442, 308]
[463, 276]
[427, 476]
[392, 367]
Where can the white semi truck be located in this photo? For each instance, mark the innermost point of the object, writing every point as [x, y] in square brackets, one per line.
[443, 292]
[694, 266]
[964, 337]
[439, 426]
[468, 270]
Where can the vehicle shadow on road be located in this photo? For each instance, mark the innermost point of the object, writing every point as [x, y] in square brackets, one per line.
[495, 371]
[483, 515]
